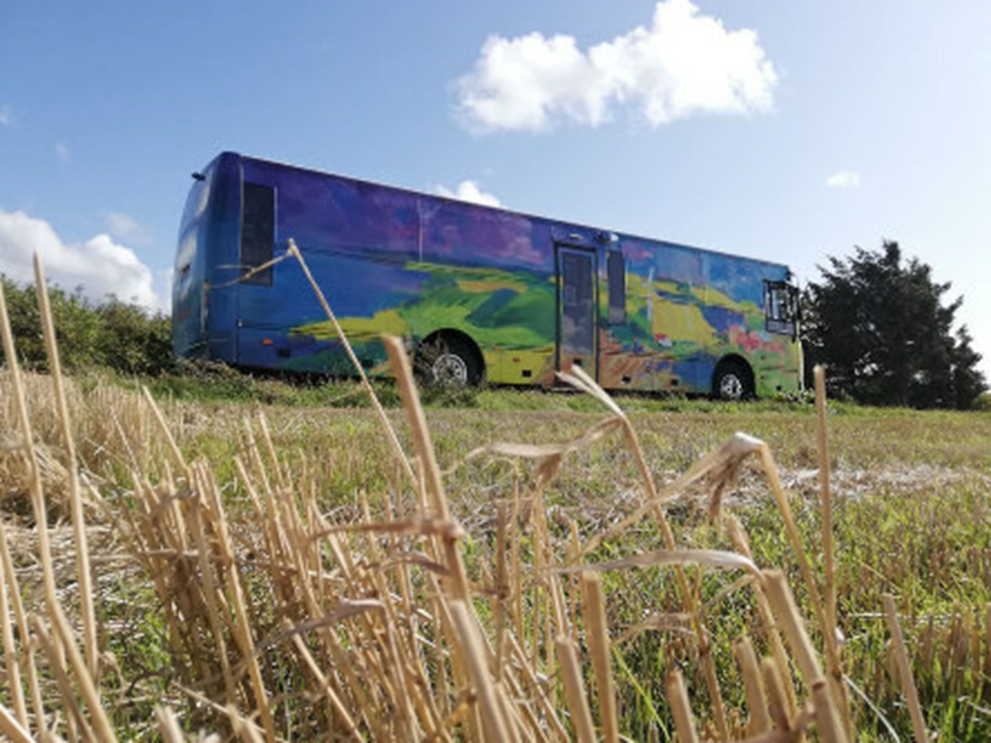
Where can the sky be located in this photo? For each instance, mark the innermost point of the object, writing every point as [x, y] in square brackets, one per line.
[789, 131]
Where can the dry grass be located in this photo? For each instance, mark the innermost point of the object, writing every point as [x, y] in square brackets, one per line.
[252, 577]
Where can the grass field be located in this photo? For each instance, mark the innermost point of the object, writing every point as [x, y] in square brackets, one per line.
[261, 565]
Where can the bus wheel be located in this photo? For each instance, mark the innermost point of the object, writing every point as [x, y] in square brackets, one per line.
[449, 361]
[733, 380]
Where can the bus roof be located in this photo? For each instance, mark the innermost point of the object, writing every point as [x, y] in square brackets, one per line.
[526, 215]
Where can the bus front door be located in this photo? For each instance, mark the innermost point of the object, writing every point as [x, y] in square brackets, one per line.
[576, 309]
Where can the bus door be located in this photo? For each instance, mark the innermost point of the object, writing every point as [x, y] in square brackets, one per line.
[577, 299]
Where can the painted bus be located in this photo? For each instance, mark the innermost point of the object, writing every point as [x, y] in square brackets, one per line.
[480, 293]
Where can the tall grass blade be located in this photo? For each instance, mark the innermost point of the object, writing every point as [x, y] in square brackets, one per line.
[10, 650]
[428, 460]
[904, 669]
[834, 663]
[780, 655]
[831, 729]
[168, 725]
[98, 716]
[717, 466]
[497, 725]
[12, 728]
[707, 558]
[597, 636]
[746, 658]
[574, 690]
[681, 708]
[542, 451]
[30, 455]
[83, 571]
[75, 720]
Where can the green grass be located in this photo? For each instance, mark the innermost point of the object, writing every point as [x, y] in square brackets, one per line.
[911, 518]
[911, 513]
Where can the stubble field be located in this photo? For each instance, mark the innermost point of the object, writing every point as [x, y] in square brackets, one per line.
[273, 570]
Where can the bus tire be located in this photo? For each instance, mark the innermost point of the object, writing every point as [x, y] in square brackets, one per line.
[733, 380]
[449, 360]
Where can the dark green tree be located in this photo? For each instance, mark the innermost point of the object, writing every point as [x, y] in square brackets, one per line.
[969, 385]
[881, 326]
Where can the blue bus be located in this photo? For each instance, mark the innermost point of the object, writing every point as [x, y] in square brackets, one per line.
[480, 293]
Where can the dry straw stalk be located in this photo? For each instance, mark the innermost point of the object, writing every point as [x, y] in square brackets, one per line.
[782, 600]
[681, 708]
[904, 668]
[599, 647]
[83, 570]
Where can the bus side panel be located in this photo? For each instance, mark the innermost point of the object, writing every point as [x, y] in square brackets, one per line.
[661, 344]
[776, 358]
[492, 277]
[687, 309]
[286, 328]
[395, 262]
[357, 240]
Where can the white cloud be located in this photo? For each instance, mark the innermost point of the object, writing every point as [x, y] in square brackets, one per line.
[686, 63]
[469, 191]
[126, 229]
[62, 150]
[844, 179]
[166, 277]
[99, 266]
[6, 117]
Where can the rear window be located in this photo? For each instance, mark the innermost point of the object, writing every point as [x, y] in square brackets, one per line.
[781, 307]
[257, 232]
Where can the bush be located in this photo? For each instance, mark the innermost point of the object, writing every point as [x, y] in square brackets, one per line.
[112, 334]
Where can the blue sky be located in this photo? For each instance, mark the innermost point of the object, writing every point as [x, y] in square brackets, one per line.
[783, 130]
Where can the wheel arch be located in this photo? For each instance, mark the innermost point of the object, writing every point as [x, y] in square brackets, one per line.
[732, 360]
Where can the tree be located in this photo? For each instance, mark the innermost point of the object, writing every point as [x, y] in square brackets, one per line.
[880, 325]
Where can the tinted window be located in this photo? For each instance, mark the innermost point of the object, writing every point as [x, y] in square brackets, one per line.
[257, 231]
[616, 268]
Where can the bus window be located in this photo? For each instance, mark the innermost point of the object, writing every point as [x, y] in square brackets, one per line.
[616, 270]
[781, 307]
[257, 231]
[577, 302]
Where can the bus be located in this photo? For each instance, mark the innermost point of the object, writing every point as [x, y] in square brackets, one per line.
[480, 293]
